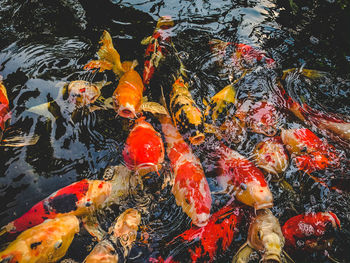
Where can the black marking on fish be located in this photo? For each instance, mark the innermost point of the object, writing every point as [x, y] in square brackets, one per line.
[35, 244]
[64, 203]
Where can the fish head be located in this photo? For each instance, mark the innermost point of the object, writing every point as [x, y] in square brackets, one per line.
[144, 148]
[265, 235]
[271, 156]
[82, 93]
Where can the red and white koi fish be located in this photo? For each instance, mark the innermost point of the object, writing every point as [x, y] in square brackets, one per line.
[310, 231]
[157, 45]
[127, 97]
[328, 124]
[258, 116]
[47, 242]
[271, 156]
[191, 189]
[239, 176]
[123, 233]
[144, 148]
[310, 152]
[80, 199]
[202, 244]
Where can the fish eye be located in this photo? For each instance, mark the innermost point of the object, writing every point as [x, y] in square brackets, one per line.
[260, 234]
[303, 149]
[58, 244]
[243, 186]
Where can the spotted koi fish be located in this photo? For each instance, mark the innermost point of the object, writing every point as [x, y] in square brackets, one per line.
[144, 148]
[311, 231]
[264, 236]
[80, 199]
[119, 239]
[271, 156]
[185, 113]
[46, 242]
[157, 47]
[219, 116]
[127, 97]
[310, 152]
[191, 189]
[203, 244]
[240, 177]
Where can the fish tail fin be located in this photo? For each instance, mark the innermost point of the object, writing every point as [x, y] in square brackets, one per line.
[19, 140]
[109, 57]
[165, 22]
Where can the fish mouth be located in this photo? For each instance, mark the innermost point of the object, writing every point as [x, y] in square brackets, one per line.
[271, 258]
[197, 139]
[127, 112]
[259, 206]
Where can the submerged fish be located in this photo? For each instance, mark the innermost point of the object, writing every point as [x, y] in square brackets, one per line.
[127, 97]
[265, 236]
[186, 115]
[46, 242]
[81, 199]
[258, 116]
[204, 244]
[271, 156]
[144, 148]
[157, 47]
[239, 176]
[310, 231]
[5, 116]
[118, 241]
[310, 152]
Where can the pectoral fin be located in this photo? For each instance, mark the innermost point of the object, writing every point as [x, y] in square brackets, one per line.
[286, 258]
[154, 108]
[93, 227]
[243, 254]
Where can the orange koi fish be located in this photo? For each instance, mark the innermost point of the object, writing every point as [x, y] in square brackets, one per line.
[258, 116]
[120, 236]
[203, 244]
[127, 97]
[4, 107]
[47, 242]
[144, 148]
[186, 114]
[271, 156]
[311, 153]
[191, 189]
[80, 199]
[311, 231]
[265, 236]
[157, 45]
[238, 175]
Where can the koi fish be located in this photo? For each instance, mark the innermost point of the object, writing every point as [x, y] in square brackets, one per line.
[5, 116]
[47, 242]
[127, 97]
[202, 244]
[258, 116]
[121, 236]
[185, 113]
[220, 119]
[242, 57]
[310, 231]
[191, 189]
[329, 124]
[265, 236]
[311, 153]
[238, 175]
[144, 148]
[80, 199]
[271, 156]
[156, 47]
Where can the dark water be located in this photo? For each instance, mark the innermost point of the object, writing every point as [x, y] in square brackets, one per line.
[46, 42]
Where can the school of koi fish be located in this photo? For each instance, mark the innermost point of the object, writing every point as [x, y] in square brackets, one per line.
[45, 232]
